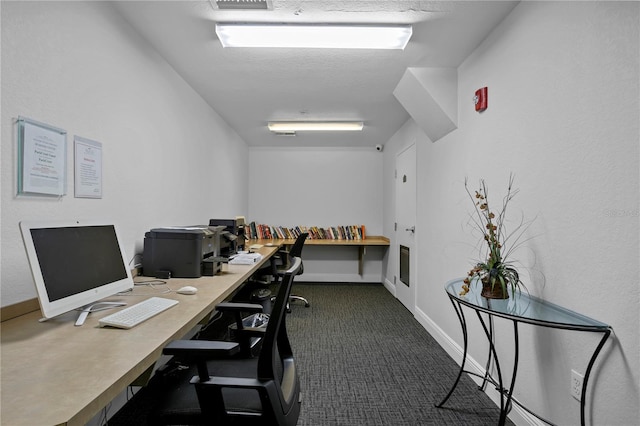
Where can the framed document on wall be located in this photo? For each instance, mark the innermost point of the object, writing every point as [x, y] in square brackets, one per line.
[42, 159]
[88, 168]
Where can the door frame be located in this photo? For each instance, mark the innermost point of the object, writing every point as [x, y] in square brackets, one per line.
[410, 301]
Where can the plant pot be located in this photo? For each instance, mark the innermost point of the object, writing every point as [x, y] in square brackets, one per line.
[493, 293]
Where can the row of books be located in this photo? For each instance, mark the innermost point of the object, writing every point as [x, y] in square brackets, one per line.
[267, 232]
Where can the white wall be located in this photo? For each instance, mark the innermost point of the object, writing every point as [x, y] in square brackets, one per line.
[321, 187]
[563, 116]
[168, 158]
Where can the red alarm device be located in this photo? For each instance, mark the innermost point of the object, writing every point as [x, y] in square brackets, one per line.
[480, 99]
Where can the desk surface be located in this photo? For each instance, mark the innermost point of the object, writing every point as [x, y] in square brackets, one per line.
[55, 373]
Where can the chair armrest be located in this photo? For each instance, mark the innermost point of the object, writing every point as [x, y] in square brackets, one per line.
[234, 307]
[251, 331]
[235, 382]
[280, 256]
[202, 349]
[199, 351]
[293, 267]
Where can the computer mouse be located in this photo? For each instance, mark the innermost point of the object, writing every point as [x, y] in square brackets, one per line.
[187, 290]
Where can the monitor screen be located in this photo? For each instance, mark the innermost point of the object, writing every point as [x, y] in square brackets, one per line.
[74, 264]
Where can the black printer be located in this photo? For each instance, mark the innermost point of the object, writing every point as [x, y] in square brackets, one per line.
[182, 252]
[232, 237]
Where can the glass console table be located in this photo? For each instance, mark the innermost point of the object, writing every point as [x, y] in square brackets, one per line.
[518, 308]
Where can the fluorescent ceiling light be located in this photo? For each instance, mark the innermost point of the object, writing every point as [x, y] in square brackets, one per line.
[331, 36]
[313, 126]
[244, 4]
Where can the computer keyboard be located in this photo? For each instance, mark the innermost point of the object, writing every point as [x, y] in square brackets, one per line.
[135, 314]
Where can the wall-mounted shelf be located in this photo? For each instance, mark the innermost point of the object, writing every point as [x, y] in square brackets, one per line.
[374, 240]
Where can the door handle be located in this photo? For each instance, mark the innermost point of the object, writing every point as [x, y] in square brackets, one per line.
[412, 229]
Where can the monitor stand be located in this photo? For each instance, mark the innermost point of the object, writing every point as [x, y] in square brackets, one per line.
[95, 307]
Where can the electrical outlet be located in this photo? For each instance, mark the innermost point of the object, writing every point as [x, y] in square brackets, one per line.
[576, 384]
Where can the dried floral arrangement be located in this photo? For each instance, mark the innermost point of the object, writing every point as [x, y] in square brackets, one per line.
[496, 270]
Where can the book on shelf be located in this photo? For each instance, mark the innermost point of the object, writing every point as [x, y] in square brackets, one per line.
[258, 231]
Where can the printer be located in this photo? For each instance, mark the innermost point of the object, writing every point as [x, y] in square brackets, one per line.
[232, 237]
[182, 251]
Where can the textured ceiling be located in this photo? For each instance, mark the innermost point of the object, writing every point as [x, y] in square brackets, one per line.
[249, 86]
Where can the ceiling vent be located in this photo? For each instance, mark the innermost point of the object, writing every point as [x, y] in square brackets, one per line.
[244, 4]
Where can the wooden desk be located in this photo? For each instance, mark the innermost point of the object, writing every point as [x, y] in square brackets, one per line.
[55, 373]
[360, 244]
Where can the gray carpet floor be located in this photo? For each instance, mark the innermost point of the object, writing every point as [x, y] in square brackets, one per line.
[364, 360]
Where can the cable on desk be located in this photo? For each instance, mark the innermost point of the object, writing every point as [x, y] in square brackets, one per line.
[134, 258]
[151, 284]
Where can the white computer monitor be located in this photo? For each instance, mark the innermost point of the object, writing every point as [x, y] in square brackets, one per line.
[74, 264]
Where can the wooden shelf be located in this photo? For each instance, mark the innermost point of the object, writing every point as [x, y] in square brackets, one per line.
[374, 240]
[369, 241]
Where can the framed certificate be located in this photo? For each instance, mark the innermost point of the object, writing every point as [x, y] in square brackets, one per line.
[88, 168]
[42, 159]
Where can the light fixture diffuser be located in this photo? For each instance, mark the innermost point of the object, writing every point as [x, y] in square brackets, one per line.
[314, 126]
[244, 4]
[331, 36]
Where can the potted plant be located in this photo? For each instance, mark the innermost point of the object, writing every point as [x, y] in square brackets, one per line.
[496, 270]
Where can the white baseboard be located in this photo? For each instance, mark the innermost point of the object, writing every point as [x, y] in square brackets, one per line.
[391, 287]
[338, 278]
[518, 416]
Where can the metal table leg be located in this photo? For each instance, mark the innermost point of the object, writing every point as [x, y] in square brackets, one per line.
[463, 324]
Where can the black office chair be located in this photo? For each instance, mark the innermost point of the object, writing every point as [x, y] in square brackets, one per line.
[279, 262]
[283, 261]
[228, 389]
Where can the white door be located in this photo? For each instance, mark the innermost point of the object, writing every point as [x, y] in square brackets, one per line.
[405, 228]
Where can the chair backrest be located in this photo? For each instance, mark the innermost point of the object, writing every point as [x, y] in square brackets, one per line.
[286, 256]
[296, 248]
[275, 343]
[275, 361]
